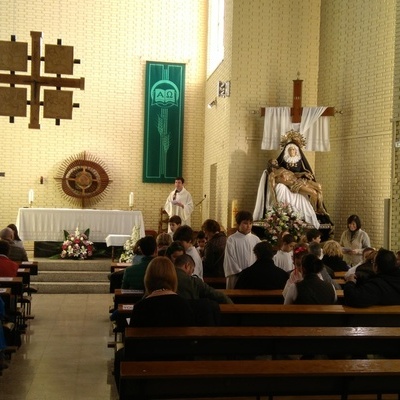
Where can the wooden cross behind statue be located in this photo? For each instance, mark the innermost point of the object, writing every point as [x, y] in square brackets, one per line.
[58, 60]
[297, 109]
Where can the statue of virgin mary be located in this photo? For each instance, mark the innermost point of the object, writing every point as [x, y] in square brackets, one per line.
[293, 159]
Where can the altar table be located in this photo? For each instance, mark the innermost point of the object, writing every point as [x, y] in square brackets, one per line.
[48, 224]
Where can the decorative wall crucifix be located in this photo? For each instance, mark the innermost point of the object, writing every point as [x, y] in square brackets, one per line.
[58, 60]
[311, 122]
[297, 108]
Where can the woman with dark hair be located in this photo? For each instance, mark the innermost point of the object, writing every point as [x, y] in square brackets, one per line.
[353, 241]
[17, 240]
[312, 289]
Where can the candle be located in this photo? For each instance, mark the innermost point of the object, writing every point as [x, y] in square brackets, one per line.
[31, 195]
[234, 212]
[131, 198]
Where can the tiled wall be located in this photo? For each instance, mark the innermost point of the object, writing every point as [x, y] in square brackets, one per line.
[356, 76]
[113, 40]
[344, 51]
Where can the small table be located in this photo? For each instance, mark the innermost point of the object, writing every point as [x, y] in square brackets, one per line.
[116, 240]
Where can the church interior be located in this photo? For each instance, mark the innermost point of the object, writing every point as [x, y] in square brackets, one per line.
[345, 52]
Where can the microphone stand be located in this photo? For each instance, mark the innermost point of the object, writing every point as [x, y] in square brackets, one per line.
[201, 200]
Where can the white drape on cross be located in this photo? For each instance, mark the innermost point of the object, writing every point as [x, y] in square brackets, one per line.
[312, 126]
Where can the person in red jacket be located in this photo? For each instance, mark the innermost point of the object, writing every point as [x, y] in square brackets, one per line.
[8, 268]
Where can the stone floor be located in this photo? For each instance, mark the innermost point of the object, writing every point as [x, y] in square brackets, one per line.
[64, 355]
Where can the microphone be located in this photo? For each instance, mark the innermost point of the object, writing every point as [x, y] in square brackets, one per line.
[174, 197]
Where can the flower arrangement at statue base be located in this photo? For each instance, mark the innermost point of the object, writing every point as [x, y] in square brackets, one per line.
[128, 254]
[77, 245]
[281, 218]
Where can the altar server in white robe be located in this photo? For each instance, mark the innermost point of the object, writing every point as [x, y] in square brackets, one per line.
[179, 202]
[239, 248]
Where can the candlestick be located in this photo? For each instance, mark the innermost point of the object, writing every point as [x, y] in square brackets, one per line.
[31, 197]
[234, 212]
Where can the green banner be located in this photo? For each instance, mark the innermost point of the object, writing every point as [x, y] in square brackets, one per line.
[163, 124]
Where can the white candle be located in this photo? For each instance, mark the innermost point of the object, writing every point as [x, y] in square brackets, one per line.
[31, 195]
[131, 198]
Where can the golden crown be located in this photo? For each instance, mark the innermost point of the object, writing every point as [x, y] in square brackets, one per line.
[293, 137]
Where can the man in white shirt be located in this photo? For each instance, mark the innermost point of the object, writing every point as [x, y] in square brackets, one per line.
[179, 202]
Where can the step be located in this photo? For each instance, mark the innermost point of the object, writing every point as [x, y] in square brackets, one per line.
[73, 287]
[48, 264]
[70, 276]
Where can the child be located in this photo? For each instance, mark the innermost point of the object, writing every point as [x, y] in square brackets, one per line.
[284, 257]
[313, 235]
[185, 235]
[239, 248]
[201, 243]
[173, 224]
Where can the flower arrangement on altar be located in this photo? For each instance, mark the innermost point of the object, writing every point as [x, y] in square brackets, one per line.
[77, 245]
[282, 218]
[128, 254]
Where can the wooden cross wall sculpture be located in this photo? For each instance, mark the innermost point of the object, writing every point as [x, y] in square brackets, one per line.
[58, 60]
[297, 108]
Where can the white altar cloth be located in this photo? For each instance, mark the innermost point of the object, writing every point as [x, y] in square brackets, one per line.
[48, 224]
[117, 240]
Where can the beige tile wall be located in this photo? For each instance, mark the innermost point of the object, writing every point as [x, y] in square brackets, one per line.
[356, 76]
[343, 50]
[113, 40]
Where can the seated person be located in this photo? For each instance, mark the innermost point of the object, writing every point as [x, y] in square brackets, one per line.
[163, 240]
[263, 274]
[116, 277]
[8, 268]
[284, 256]
[161, 306]
[134, 274]
[185, 235]
[297, 274]
[381, 289]
[192, 288]
[366, 266]
[17, 240]
[327, 274]
[17, 253]
[174, 250]
[214, 250]
[333, 256]
[311, 289]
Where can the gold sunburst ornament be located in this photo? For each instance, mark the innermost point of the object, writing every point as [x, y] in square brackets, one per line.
[84, 179]
[294, 137]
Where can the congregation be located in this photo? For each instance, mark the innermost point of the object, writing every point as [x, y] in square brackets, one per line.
[172, 272]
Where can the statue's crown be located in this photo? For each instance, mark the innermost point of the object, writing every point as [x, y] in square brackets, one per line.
[293, 137]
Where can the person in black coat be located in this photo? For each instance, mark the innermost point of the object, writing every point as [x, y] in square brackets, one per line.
[263, 274]
[381, 289]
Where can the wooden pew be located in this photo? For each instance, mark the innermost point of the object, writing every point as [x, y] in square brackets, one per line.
[127, 296]
[118, 266]
[32, 265]
[233, 378]
[253, 296]
[185, 343]
[15, 283]
[217, 282]
[308, 315]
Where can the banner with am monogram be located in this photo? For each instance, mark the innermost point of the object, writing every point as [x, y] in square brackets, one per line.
[163, 124]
